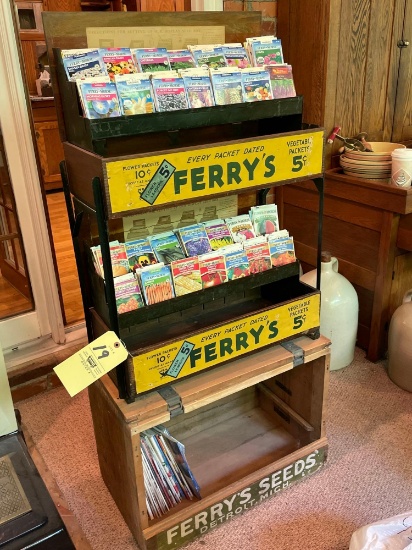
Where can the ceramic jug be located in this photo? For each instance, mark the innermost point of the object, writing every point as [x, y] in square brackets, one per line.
[400, 344]
[339, 308]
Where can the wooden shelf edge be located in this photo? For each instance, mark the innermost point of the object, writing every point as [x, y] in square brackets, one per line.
[151, 409]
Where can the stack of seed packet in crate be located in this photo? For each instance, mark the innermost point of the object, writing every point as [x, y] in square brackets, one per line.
[156, 283]
[151, 60]
[186, 275]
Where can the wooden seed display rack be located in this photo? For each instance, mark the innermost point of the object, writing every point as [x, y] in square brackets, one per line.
[249, 410]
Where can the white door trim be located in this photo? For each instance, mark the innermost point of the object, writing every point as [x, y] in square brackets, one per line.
[23, 169]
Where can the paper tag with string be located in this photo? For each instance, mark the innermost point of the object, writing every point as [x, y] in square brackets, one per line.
[91, 362]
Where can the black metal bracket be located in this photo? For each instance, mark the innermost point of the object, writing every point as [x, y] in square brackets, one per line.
[297, 351]
[173, 400]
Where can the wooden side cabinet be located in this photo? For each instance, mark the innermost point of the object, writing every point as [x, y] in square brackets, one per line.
[367, 225]
[49, 146]
[50, 153]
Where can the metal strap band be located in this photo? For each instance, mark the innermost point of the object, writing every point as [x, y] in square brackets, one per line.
[297, 351]
[173, 400]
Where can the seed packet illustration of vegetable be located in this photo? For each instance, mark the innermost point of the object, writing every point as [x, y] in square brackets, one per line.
[186, 276]
[135, 94]
[212, 269]
[166, 247]
[256, 85]
[99, 99]
[218, 234]
[194, 240]
[209, 58]
[151, 60]
[281, 78]
[265, 219]
[156, 284]
[128, 294]
[237, 263]
[180, 59]
[258, 254]
[140, 254]
[169, 94]
[117, 61]
[227, 86]
[282, 251]
[82, 64]
[241, 228]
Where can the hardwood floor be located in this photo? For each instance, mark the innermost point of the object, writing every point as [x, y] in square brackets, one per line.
[12, 302]
[66, 263]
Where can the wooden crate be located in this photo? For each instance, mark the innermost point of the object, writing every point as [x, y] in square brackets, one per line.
[251, 428]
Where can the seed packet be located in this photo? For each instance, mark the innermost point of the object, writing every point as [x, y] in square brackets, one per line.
[169, 94]
[281, 79]
[180, 59]
[241, 228]
[140, 254]
[212, 58]
[267, 53]
[194, 240]
[212, 269]
[236, 56]
[256, 84]
[128, 294]
[258, 254]
[218, 234]
[82, 64]
[99, 99]
[282, 251]
[151, 60]
[186, 275]
[227, 86]
[166, 247]
[264, 219]
[135, 94]
[236, 261]
[199, 90]
[156, 281]
[117, 61]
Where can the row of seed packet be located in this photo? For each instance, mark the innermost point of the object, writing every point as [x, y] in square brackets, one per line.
[264, 50]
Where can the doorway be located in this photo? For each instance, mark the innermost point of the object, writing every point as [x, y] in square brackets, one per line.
[15, 288]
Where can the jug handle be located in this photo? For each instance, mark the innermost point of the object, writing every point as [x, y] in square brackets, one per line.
[407, 297]
[335, 264]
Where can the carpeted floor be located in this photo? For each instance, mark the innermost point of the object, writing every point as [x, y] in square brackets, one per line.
[368, 475]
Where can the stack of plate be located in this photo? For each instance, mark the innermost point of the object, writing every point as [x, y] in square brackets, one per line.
[375, 165]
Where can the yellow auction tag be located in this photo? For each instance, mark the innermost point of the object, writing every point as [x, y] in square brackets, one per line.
[91, 362]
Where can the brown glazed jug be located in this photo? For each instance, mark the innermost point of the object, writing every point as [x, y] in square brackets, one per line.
[400, 344]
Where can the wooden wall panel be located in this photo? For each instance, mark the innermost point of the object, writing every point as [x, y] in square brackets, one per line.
[345, 210]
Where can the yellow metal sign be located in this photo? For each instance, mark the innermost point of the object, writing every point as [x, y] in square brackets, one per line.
[226, 342]
[141, 182]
